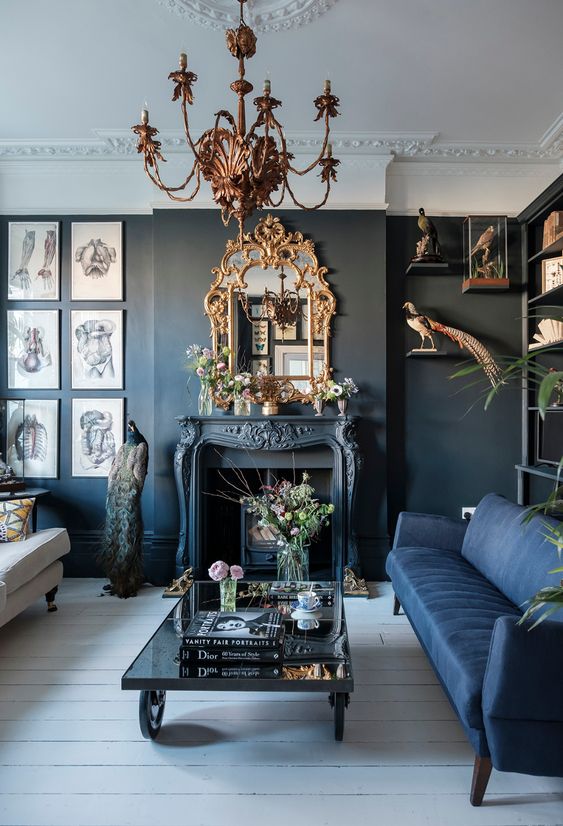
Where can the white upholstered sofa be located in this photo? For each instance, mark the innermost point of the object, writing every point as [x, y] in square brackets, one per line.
[29, 569]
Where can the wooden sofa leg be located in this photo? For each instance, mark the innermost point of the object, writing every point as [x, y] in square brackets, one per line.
[50, 597]
[396, 606]
[481, 773]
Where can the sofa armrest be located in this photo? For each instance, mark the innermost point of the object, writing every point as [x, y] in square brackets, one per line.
[424, 530]
[524, 674]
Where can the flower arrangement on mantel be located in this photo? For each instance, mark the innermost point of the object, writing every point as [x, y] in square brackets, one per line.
[328, 390]
[227, 577]
[212, 370]
[291, 512]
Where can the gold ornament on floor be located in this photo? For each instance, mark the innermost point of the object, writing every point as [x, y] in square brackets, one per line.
[246, 171]
[354, 585]
[179, 587]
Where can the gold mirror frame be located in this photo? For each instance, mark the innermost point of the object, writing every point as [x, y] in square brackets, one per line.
[272, 246]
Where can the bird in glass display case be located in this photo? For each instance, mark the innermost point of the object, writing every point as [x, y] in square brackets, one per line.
[121, 554]
[425, 326]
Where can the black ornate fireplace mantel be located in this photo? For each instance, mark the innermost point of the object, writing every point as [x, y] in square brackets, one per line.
[267, 435]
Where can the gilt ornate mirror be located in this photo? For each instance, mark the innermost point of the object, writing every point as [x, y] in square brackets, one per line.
[271, 305]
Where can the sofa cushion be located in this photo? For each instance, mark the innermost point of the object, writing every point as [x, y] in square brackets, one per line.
[14, 519]
[515, 557]
[22, 561]
[453, 609]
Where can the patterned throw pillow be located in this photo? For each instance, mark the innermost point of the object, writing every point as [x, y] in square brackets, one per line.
[14, 519]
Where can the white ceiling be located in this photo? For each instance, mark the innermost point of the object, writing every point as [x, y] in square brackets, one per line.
[470, 71]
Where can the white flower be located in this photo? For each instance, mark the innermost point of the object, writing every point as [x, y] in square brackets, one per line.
[336, 389]
[238, 377]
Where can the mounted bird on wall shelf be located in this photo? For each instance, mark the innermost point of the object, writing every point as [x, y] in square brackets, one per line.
[428, 249]
[121, 554]
[425, 326]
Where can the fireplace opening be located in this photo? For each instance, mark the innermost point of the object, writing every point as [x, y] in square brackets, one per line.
[231, 533]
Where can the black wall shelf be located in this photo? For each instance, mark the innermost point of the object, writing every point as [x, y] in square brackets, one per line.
[538, 470]
[554, 295]
[428, 269]
[427, 354]
[548, 252]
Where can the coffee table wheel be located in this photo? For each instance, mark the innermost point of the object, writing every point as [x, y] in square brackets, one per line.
[339, 702]
[151, 712]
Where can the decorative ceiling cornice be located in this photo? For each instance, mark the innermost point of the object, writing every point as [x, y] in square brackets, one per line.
[422, 146]
[262, 15]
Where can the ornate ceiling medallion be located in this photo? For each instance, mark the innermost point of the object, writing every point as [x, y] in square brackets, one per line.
[263, 15]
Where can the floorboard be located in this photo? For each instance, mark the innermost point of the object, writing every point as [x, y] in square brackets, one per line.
[71, 753]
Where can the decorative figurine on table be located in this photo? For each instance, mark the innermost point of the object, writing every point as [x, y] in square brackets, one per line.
[425, 326]
[428, 249]
[121, 554]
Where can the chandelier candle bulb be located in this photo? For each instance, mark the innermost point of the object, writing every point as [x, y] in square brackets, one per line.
[327, 87]
[329, 150]
[183, 60]
[144, 116]
[267, 87]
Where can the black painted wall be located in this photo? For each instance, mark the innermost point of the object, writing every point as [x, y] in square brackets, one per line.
[168, 261]
[444, 451]
[425, 448]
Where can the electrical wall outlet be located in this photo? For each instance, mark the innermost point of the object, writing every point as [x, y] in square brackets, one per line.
[467, 512]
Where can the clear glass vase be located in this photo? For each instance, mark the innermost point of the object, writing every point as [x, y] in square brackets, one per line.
[241, 406]
[293, 563]
[228, 592]
[204, 401]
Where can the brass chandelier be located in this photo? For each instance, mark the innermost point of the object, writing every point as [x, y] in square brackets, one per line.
[244, 168]
[283, 308]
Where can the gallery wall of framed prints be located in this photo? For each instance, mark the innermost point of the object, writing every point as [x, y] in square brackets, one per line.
[75, 342]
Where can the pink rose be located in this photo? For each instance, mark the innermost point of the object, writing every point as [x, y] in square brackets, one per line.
[236, 572]
[200, 371]
[219, 570]
[294, 531]
[221, 366]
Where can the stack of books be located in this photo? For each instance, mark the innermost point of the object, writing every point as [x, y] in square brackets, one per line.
[246, 644]
[287, 592]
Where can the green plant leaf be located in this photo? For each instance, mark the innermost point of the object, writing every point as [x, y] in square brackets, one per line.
[547, 387]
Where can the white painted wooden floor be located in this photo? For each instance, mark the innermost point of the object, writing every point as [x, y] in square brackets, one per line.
[71, 753]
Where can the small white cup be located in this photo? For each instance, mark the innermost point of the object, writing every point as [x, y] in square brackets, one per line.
[307, 600]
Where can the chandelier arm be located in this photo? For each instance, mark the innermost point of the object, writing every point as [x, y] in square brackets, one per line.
[320, 155]
[156, 179]
[275, 204]
[187, 132]
[312, 208]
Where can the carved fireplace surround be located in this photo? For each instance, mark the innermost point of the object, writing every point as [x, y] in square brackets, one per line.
[264, 438]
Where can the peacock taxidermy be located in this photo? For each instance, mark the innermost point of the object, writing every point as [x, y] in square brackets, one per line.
[121, 554]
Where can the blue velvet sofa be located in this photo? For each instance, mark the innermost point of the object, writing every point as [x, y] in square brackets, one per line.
[462, 586]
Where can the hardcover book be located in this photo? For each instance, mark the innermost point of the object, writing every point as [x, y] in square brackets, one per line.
[286, 592]
[238, 671]
[244, 629]
[205, 656]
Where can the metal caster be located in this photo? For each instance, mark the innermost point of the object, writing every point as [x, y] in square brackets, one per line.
[151, 712]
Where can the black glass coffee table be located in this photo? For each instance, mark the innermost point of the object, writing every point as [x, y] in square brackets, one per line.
[316, 652]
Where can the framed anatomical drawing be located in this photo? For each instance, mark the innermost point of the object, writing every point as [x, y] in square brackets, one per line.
[33, 439]
[97, 262]
[33, 261]
[33, 349]
[97, 435]
[97, 349]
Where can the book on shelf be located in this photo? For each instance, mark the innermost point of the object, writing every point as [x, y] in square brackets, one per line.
[242, 629]
[228, 671]
[552, 228]
[287, 592]
[204, 656]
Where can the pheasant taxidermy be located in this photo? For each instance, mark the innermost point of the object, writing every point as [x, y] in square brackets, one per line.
[121, 554]
[425, 326]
